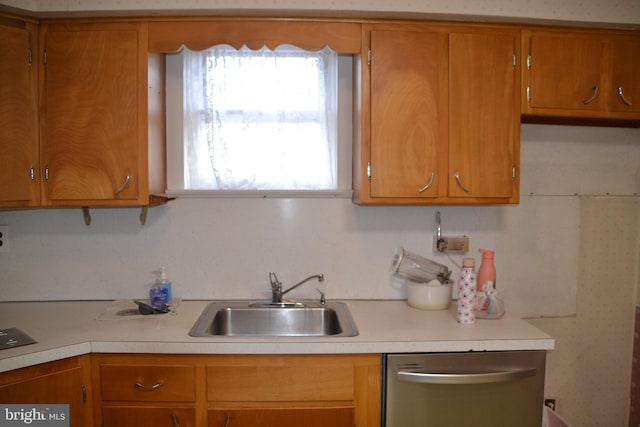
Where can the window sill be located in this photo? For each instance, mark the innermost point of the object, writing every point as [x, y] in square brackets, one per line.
[262, 194]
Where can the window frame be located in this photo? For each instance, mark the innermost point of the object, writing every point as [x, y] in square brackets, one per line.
[175, 151]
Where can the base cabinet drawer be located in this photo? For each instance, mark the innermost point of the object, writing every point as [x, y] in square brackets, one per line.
[137, 416]
[149, 383]
[282, 417]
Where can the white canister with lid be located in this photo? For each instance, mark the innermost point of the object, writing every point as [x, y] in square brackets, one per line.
[429, 296]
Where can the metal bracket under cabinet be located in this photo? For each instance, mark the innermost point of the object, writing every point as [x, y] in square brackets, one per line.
[87, 215]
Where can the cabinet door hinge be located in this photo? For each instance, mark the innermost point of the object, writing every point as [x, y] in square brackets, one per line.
[369, 57]
[369, 170]
[529, 62]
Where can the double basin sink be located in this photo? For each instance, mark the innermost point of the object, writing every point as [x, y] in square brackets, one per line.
[245, 319]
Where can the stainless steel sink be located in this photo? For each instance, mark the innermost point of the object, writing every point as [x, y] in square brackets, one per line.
[242, 319]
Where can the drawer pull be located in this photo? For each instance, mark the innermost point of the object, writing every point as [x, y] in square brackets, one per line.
[621, 94]
[228, 422]
[144, 387]
[590, 100]
[464, 188]
[124, 185]
[174, 418]
[428, 184]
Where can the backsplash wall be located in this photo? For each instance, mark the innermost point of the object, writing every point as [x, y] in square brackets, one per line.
[225, 247]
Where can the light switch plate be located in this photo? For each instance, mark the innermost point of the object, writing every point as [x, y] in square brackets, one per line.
[451, 244]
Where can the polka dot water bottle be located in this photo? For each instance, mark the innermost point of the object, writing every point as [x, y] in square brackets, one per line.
[467, 292]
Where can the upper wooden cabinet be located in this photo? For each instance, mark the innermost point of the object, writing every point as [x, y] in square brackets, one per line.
[95, 143]
[581, 74]
[625, 75]
[439, 116]
[484, 119]
[19, 174]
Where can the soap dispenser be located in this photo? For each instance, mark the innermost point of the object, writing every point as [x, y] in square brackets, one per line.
[486, 272]
[160, 293]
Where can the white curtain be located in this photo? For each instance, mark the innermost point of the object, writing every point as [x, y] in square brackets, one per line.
[260, 120]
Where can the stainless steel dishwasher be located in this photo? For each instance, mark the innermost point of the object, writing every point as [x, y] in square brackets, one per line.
[493, 389]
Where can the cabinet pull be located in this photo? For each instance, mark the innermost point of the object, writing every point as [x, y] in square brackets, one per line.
[32, 174]
[595, 93]
[457, 176]
[144, 387]
[624, 99]
[123, 186]
[428, 185]
[228, 422]
[174, 418]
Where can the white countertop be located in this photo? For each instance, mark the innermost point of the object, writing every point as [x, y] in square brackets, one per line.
[65, 329]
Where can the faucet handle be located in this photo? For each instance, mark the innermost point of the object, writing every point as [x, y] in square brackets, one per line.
[274, 280]
[323, 301]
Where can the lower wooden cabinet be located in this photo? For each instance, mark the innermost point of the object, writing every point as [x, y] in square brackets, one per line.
[65, 381]
[282, 417]
[236, 390]
[137, 416]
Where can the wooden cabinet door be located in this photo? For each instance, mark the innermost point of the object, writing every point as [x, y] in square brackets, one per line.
[567, 72]
[483, 115]
[91, 130]
[282, 417]
[45, 384]
[625, 74]
[407, 112]
[19, 181]
[138, 416]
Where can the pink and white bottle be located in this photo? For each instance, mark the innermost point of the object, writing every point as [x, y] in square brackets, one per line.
[467, 292]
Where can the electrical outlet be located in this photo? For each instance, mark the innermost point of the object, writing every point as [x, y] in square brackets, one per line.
[4, 238]
[451, 244]
[551, 402]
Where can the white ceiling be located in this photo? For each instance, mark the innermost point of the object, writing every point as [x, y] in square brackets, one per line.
[623, 13]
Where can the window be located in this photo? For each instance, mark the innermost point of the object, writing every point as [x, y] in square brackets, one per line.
[258, 121]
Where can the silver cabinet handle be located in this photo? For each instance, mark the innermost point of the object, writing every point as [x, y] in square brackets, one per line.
[174, 418]
[457, 176]
[595, 93]
[428, 184]
[144, 387]
[481, 378]
[624, 99]
[123, 186]
[228, 422]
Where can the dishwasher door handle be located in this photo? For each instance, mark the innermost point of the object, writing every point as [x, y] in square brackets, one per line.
[475, 378]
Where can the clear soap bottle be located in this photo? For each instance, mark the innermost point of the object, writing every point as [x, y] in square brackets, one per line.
[160, 293]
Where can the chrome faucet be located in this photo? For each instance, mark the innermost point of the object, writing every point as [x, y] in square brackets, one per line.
[276, 286]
